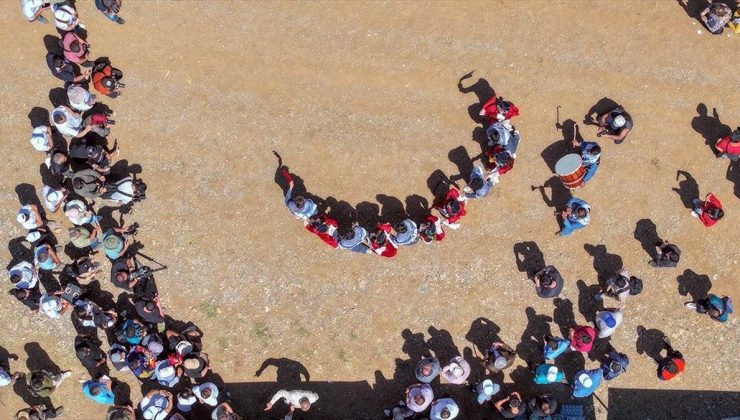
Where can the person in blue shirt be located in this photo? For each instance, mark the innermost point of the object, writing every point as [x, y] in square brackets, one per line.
[555, 346]
[301, 207]
[577, 215]
[407, 233]
[548, 374]
[354, 239]
[586, 382]
[116, 242]
[614, 365]
[480, 184]
[590, 157]
[45, 257]
[99, 390]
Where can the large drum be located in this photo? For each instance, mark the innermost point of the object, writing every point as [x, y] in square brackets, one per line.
[570, 171]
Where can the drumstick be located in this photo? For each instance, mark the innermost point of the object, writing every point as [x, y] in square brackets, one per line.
[557, 122]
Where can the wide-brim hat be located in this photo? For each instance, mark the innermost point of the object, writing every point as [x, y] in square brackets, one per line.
[113, 243]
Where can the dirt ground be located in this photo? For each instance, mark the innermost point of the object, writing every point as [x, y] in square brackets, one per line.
[361, 100]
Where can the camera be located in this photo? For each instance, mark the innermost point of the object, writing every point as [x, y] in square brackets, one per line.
[140, 273]
[133, 229]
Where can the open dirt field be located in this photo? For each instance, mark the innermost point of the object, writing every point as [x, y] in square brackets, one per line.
[361, 100]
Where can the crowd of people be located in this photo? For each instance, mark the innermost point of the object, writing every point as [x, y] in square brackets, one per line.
[168, 358]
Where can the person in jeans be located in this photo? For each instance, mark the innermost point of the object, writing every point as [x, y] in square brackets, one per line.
[577, 215]
[354, 239]
[548, 282]
[718, 308]
[614, 365]
[615, 125]
[590, 157]
[110, 8]
[668, 255]
[729, 146]
[407, 233]
[708, 211]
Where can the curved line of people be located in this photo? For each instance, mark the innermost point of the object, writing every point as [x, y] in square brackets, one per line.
[385, 240]
[142, 341]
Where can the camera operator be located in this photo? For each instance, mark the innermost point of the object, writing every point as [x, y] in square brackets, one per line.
[127, 274]
[117, 240]
[149, 309]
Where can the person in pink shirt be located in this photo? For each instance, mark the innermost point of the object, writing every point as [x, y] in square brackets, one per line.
[76, 50]
[708, 211]
[582, 338]
[729, 146]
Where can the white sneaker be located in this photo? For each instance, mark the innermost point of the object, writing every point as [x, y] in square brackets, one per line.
[694, 214]
[47, 161]
[66, 374]
[690, 305]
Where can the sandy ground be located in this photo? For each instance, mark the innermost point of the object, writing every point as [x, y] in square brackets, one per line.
[361, 100]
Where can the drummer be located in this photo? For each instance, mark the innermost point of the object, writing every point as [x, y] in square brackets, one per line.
[590, 157]
[577, 215]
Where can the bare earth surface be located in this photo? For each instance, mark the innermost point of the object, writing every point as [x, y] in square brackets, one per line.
[361, 101]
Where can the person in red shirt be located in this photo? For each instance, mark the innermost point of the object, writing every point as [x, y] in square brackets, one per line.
[381, 242]
[582, 338]
[431, 230]
[452, 207]
[499, 159]
[672, 364]
[324, 227]
[708, 211]
[497, 109]
[729, 146]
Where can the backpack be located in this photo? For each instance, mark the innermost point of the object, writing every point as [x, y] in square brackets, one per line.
[39, 390]
[139, 190]
[635, 286]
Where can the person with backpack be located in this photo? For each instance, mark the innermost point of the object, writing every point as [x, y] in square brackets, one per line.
[615, 125]
[76, 50]
[499, 357]
[70, 123]
[709, 211]
[577, 215]
[88, 183]
[24, 275]
[39, 412]
[110, 8]
[729, 146]
[586, 382]
[452, 207]
[481, 183]
[621, 286]
[554, 347]
[718, 308]
[32, 10]
[672, 364]
[125, 191]
[89, 353]
[99, 390]
[65, 71]
[106, 79]
[614, 365]
[548, 283]
[43, 383]
[668, 255]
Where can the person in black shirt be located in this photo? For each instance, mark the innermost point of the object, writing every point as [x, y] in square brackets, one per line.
[65, 70]
[548, 282]
[668, 255]
[89, 353]
[543, 405]
[149, 309]
[511, 406]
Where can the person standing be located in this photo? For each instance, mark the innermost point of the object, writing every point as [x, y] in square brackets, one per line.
[620, 286]
[614, 365]
[543, 405]
[486, 390]
[672, 364]
[427, 369]
[718, 308]
[586, 382]
[668, 255]
[548, 283]
[511, 406]
[497, 109]
[443, 409]
[709, 211]
[716, 16]
[452, 207]
[607, 321]
[554, 347]
[43, 383]
[99, 390]
[457, 371]
[354, 239]
[407, 233]
[32, 10]
[577, 215]
[301, 207]
[381, 241]
[39, 412]
[582, 338]
[111, 9]
[323, 227]
[729, 146]
[481, 183]
[419, 397]
[431, 230]
[500, 356]
[548, 374]
[590, 157]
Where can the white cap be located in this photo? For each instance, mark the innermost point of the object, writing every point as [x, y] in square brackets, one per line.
[552, 374]
[585, 380]
[619, 121]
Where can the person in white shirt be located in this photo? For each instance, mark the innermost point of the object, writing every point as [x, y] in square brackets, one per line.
[53, 198]
[207, 393]
[608, 321]
[295, 399]
[29, 217]
[71, 124]
[32, 10]
[444, 408]
[41, 139]
[80, 98]
[65, 17]
[23, 275]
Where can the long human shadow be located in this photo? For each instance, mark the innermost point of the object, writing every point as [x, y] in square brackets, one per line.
[587, 304]
[693, 7]
[460, 157]
[564, 317]
[710, 127]
[440, 343]
[483, 92]
[288, 371]
[605, 264]
[529, 348]
[529, 258]
[688, 189]
[561, 147]
[650, 342]
[694, 284]
[647, 234]
[482, 333]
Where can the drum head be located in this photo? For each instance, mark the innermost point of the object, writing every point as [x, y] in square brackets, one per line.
[568, 164]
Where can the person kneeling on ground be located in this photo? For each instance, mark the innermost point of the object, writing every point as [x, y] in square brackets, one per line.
[718, 308]
[615, 124]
